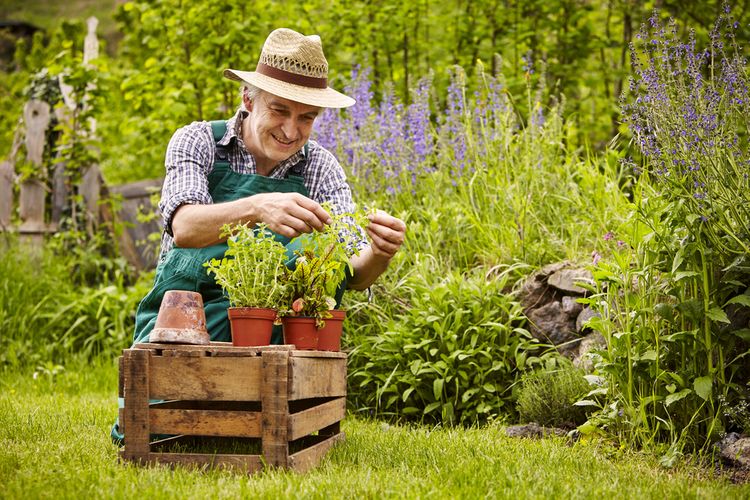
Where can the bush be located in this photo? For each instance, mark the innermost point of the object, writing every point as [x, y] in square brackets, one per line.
[547, 397]
[453, 355]
[48, 316]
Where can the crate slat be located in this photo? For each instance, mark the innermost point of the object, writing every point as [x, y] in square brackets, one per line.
[316, 377]
[244, 424]
[247, 463]
[318, 417]
[304, 460]
[207, 378]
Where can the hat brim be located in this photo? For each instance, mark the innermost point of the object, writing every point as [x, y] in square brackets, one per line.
[324, 98]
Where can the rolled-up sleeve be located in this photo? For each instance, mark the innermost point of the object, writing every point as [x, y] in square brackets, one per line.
[188, 162]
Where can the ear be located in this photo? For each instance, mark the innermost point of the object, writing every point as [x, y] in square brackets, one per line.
[247, 102]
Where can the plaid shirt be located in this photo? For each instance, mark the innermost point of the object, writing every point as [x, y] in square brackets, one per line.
[190, 158]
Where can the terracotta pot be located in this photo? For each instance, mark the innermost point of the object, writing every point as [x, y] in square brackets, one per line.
[300, 331]
[181, 319]
[251, 326]
[329, 337]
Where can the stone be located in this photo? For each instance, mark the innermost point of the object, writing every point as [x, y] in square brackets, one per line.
[533, 430]
[586, 314]
[550, 323]
[571, 306]
[590, 342]
[736, 449]
[535, 291]
[566, 279]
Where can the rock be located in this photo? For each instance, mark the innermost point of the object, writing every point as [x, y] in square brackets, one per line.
[533, 430]
[586, 314]
[549, 323]
[591, 342]
[570, 305]
[736, 449]
[535, 291]
[566, 279]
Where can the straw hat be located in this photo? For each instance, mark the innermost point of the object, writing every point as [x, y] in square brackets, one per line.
[293, 66]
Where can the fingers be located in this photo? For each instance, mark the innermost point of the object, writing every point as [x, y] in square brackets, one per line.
[387, 233]
[290, 214]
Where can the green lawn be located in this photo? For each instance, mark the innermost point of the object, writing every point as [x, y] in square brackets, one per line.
[54, 443]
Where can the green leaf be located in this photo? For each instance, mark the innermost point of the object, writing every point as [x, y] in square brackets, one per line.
[437, 388]
[681, 275]
[586, 402]
[702, 386]
[743, 333]
[717, 314]
[676, 396]
[740, 299]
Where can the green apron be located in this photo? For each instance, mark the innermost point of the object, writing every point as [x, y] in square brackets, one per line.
[182, 268]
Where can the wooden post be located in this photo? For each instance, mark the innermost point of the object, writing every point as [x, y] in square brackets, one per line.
[6, 194]
[135, 420]
[90, 189]
[91, 43]
[33, 192]
[275, 408]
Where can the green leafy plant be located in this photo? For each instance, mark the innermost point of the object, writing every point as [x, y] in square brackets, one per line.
[321, 266]
[251, 273]
[548, 396]
[454, 355]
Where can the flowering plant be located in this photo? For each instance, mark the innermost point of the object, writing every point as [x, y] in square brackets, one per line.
[253, 267]
[322, 260]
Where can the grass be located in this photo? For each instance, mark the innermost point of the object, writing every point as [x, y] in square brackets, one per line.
[54, 443]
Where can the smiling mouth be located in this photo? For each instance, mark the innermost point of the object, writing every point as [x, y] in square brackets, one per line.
[280, 141]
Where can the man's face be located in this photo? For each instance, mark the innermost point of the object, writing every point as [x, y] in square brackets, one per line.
[276, 128]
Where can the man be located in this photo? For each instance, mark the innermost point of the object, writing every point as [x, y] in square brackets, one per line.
[259, 166]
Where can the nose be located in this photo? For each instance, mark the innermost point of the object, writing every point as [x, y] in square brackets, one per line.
[289, 129]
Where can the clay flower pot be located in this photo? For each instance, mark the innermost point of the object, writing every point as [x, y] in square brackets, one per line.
[300, 331]
[329, 337]
[181, 319]
[251, 326]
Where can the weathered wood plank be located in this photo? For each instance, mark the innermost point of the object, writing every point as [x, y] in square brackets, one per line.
[275, 408]
[205, 422]
[318, 354]
[7, 178]
[120, 378]
[135, 420]
[304, 460]
[36, 118]
[316, 418]
[316, 377]
[247, 463]
[207, 378]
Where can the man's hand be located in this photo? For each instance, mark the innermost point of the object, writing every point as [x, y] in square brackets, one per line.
[289, 214]
[387, 234]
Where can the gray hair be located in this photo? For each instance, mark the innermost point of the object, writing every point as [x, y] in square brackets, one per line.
[251, 91]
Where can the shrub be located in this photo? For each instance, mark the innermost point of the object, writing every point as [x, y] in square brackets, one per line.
[547, 396]
[454, 355]
[46, 315]
[674, 293]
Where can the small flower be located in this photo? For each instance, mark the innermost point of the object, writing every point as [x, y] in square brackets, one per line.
[595, 257]
[608, 236]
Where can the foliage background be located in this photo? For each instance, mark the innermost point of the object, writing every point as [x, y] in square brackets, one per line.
[492, 128]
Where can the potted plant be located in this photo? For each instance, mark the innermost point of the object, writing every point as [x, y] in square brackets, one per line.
[308, 315]
[251, 274]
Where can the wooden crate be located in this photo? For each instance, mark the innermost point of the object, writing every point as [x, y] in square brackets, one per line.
[289, 402]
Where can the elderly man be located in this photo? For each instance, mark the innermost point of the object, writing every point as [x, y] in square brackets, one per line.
[258, 166]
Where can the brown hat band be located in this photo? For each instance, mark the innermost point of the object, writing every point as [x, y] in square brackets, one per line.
[293, 78]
